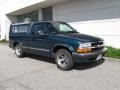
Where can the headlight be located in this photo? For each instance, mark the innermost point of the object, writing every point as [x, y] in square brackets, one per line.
[84, 47]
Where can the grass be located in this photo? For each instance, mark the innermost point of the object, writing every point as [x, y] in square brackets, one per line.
[113, 52]
[3, 41]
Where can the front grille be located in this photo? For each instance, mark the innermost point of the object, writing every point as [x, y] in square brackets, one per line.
[97, 46]
[97, 43]
[97, 49]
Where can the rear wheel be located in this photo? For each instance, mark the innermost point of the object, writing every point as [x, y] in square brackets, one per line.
[64, 59]
[18, 51]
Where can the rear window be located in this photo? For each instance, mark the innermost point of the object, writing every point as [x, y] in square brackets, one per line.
[19, 29]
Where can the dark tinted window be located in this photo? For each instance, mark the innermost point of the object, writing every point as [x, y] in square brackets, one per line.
[38, 27]
[51, 28]
[20, 29]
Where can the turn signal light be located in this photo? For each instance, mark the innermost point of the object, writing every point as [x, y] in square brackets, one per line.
[83, 50]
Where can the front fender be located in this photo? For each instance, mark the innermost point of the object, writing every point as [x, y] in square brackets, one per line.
[64, 45]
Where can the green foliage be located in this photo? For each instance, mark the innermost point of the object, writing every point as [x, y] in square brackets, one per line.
[113, 52]
[3, 41]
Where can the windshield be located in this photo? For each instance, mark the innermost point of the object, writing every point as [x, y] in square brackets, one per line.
[60, 27]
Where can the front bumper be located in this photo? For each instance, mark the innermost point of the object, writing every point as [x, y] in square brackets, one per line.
[88, 57]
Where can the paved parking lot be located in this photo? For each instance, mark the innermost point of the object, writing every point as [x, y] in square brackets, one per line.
[40, 73]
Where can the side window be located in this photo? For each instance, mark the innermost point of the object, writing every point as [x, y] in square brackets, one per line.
[38, 27]
[20, 29]
[51, 28]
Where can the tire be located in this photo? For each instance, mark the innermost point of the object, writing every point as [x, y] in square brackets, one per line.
[18, 51]
[64, 59]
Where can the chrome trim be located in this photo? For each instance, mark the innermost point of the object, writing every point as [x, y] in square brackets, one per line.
[98, 46]
[37, 49]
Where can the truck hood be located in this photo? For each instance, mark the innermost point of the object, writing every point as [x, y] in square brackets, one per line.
[82, 37]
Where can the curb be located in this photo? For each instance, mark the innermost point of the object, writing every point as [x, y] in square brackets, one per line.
[112, 59]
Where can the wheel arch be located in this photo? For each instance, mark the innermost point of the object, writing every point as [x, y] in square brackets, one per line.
[16, 43]
[60, 46]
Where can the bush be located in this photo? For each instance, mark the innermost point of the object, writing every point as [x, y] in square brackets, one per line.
[113, 52]
[3, 41]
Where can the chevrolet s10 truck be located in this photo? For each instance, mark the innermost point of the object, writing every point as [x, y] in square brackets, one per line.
[55, 39]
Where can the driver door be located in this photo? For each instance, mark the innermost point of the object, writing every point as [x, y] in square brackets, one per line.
[38, 40]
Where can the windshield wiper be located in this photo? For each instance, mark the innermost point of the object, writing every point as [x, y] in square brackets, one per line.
[55, 32]
[72, 32]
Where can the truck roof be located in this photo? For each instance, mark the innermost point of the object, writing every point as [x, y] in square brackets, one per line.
[21, 23]
[31, 22]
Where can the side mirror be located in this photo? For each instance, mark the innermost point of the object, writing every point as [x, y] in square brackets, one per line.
[40, 32]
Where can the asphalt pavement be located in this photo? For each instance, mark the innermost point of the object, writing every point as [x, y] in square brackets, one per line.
[40, 73]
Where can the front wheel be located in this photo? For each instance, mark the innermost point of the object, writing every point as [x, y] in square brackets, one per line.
[18, 51]
[64, 59]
